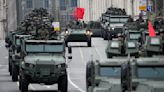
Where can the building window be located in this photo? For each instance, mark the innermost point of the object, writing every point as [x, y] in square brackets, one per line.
[73, 3]
[29, 3]
[46, 3]
[62, 4]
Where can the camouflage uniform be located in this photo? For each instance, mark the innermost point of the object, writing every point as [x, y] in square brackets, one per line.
[43, 34]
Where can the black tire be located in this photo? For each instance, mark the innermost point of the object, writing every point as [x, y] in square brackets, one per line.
[105, 36]
[89, 44]
[63, 84]
[20, 85]
[14, 73]
[109, 55]
[10, 68]
[88, 75]
[24, 83]
[66, 44]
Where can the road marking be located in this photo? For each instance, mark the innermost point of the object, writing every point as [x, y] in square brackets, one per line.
[81, 54]
[73, 84]
[48, 87]
[29, 86]
[97, 50]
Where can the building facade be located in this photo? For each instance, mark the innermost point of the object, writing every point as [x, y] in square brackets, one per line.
[3, 19]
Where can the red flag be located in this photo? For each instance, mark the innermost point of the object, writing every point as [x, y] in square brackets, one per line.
[151, 30]
[79, 13]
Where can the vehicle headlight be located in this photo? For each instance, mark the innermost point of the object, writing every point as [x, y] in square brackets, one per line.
[66, 32]
[61, 65]
[89, 33]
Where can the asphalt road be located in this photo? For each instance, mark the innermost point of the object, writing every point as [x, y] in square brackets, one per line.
[76, 68]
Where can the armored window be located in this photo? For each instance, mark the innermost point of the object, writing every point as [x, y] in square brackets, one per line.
[34, 48]
[131, 45]
[155, 41]
[123, 20]
[17, 41]
[29, 3]
[114, 20]
[134, 36]
[115, 45]
[54, 48]
[111, 71]
[151, 72]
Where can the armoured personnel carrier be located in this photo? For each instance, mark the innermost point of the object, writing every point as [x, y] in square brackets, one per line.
[78, 34]
[122, 48]
[43, 61]
[148, 74]
[105, 75]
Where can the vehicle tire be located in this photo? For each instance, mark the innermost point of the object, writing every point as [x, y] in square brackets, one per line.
[88, 75]
[10, 68]
[89, 44]
[63, 84]
[14, 73]
[24, 83]
[109, 56]
[105, 36]
[66, 44]
[20, 85]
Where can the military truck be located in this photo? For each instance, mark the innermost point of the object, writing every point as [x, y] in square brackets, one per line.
[78, 35]
[104, 75]
[43, 61]
[153, 46]
[148, 74]
[122, 48]
[114, 22]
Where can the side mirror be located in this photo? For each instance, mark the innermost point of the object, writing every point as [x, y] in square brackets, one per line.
[70, 50]
[18, 49]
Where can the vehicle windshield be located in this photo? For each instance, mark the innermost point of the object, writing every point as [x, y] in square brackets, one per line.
[134, 36]
[118, 20]
[44, 48]
[155, 41]
[112, 71]
[17, 41]
[151, 72]
[115, 45]
[131, 45]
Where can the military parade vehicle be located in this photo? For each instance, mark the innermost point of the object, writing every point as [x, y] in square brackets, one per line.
[43, 61]
[78, 34]
[104, 75]
[112, 19]
[95, 28]
[122, 48]
[148, 74]
[153, 46]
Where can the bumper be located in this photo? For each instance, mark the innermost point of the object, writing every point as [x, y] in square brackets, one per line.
[77, 38]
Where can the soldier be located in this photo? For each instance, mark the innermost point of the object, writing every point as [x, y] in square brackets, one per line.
[43, 33]
[140, 19]
[122, 45]
[130, 19]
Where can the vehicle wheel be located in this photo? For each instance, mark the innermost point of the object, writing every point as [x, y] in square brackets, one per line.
[24, 83]
[88, 75]
[105, 36]
[63, 84]
[89, 44]
[20, 85]
[109, 55]
[66, 44]
[14, 73]
[10, 68]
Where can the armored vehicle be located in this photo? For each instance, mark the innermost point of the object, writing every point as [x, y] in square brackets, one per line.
[95, 28]
[148, 74]
[112, 22]
[122, 48]
[153, 46]
[78, 35]
[105, 75]
[43, 61]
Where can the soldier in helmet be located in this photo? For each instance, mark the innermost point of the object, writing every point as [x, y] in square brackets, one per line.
[43, 33]
[122, 45]
[130, 19]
